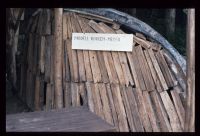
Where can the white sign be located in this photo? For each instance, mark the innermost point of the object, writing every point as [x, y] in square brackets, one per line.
[99, 41]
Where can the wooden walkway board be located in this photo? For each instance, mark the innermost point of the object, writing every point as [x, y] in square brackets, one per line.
[64, 120]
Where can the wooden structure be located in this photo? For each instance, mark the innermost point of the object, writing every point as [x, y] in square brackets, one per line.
[138, 91]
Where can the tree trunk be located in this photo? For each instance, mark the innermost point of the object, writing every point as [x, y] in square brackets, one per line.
[58, 58]
[170, 23]
[190, 97]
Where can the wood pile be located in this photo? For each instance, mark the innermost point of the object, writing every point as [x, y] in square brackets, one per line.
[134, 91]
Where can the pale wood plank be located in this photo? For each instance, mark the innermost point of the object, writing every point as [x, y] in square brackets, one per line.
[142, 110]
[112, 106]
[75, 94]
[161, 112]
[67, 95]
[153, 72]
[157, 68]
[105, 103]
[128, 109]
[144, 69]
[119, 107]
[151, 112]
[171, 111]
[178, 105]
[90, 96]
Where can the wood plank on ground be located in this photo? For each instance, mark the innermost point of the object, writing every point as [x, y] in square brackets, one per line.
[64, 120]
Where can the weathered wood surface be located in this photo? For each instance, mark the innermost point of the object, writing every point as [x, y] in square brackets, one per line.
[126, 89]
[58, 46]
[64, 120]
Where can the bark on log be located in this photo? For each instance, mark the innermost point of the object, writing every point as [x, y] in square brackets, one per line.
[57, 58]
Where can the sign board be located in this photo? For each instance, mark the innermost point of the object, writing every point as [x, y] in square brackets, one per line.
[99, 41]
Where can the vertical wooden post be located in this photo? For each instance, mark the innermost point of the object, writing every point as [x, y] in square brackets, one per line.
[58, 57]
[190, 103]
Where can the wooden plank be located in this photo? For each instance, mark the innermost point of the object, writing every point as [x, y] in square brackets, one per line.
[65, 27]
[48, 97]
[153, 72]
[122, 70]
[178, 105]
[42, 54]
[118, 68]
[48, 22]
[144, 69]
[66, 62]
[74, 52]
[83, 94]
[85, 53]
[90, 96]
[138, 70]
[34, 24]
[141, 36]
[104, 74]
[41, 93]
[133, 69]
[142, 42]
[69, 54]
[40, 22]
[112, 106]
[65, 120]
[157, 68]
[164, 70]
[97, 101]
[67, 95]
[125, 68]
[134, 110]
[128, 109]
[110, 68]
[142, 110]
[172, 79]
[119, 107]
[151, 112]
[176, 70]
[37, 94]
[75, 94]
[87, 63]
[171, 111]
[95, 67]
[105, 103]
[47, 65]
[81, 66]
[161, 112]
